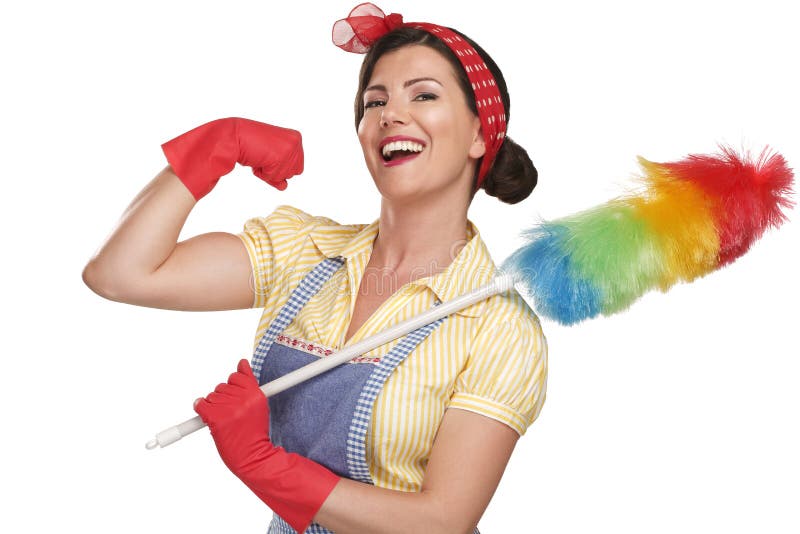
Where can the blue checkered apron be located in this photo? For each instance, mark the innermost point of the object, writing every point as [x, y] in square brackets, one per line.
[326, 417]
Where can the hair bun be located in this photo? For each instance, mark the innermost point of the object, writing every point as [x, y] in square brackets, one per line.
[513, 176]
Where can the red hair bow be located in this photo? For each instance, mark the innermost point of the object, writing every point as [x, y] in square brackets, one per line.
[365, 24]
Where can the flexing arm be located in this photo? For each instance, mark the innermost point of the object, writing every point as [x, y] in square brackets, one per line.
[142, 264]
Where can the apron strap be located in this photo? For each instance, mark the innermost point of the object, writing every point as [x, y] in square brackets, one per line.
[356, 437]
[308, 287]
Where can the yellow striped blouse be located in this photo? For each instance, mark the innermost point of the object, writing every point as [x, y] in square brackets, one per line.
[489, 358]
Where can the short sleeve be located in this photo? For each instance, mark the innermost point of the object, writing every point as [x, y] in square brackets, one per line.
[505, 377]
[270, 242]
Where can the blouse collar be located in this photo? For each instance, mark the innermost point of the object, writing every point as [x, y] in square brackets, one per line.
[471, 268]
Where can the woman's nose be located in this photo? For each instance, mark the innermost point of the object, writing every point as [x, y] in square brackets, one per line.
[392, 113]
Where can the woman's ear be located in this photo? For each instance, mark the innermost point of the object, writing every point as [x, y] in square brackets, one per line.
[478, 147]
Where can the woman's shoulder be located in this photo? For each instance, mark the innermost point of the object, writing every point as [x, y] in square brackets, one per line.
[290, 218]
[293, 215]
[511, 309]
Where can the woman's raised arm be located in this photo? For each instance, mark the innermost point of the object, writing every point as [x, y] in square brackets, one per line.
[140, 263]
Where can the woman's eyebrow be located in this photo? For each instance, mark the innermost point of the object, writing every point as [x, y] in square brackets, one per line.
[407, 83]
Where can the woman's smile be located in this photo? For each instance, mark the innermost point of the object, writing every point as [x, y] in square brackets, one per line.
[399, 149]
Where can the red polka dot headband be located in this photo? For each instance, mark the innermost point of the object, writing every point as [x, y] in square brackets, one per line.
[367, 23]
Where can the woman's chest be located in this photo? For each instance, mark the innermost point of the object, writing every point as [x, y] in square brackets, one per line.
[337, 316]
[365, 305]
[350, 308]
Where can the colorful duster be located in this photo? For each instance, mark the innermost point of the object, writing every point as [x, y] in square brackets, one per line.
[692, 217]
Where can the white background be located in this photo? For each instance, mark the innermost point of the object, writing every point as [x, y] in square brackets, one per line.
[680, 415]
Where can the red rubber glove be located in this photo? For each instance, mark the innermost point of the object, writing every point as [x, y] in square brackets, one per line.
[237, 413]
[200, 157]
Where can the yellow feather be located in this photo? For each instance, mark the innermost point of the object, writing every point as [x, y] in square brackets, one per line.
[680, 216]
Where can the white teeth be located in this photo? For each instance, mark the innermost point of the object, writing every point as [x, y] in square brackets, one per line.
[410, 146]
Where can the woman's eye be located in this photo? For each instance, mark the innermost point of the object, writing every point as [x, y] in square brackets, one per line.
[425, 96]
[373, 103]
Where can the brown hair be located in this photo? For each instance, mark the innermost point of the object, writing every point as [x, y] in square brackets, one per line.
[512, 176]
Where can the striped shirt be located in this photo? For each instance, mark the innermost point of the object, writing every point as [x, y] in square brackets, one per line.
[489, 358]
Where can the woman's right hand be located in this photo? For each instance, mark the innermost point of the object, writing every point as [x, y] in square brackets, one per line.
[200, 157]
[237, 414]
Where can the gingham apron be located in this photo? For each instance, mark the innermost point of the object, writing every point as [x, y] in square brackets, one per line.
[325, 418]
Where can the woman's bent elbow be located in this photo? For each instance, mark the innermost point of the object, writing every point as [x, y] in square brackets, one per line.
[99, 282]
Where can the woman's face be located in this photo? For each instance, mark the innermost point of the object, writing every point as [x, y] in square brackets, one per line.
[418, 135]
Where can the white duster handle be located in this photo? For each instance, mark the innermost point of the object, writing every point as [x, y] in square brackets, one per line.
[501, 283]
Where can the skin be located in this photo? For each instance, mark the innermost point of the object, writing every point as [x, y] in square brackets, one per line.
[142, 263]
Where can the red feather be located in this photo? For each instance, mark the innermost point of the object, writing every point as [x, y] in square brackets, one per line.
[748, 196]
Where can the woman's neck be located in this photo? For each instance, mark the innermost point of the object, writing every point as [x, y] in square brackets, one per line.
[416, 240]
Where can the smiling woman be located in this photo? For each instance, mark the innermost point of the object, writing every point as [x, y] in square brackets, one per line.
[509, 175]
[378, 444]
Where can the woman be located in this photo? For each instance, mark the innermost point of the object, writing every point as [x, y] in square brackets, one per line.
[371, 446]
